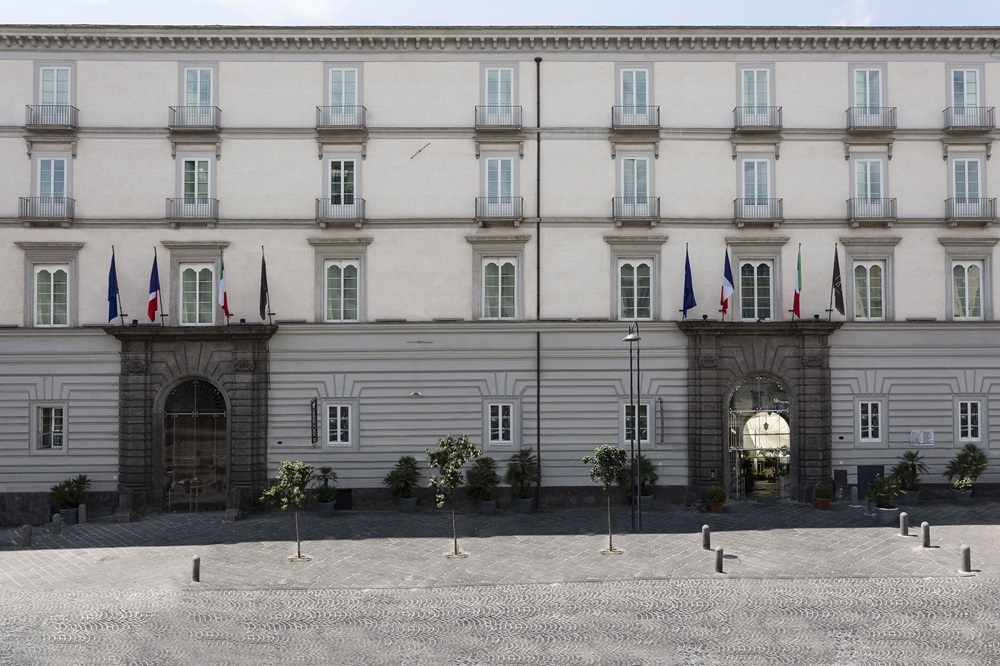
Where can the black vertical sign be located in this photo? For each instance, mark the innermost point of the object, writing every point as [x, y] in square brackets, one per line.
[314, 416]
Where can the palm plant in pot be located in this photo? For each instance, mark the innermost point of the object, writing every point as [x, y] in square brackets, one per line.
[402, 482]
[964, 470]
[482, 480]
[626, 478]
[882, 491]
[325, 491]
[907, 471]
[522, 473]
[68, 495]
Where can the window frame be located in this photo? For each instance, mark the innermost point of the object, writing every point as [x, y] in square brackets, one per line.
[51, 253]
[980, 84]
[867, 250]
[349, 249]
[637, 316]
[36, 269]
[635, 248]
[644, 405]
[497, 247]
[883, 160]
[852, 85]
[184, 253]
[198, 267]
[620, 71]
[966, 250]
[624, 156]
[972, 156]
[183, 158]
[744, 250]
[515, 423]
[328, 88]
[980, 403]
[484, 82]
[354, 432]
[40, 66]
[880, 403]
[486, 157]
[342, 264]
[183, 68]
[768, 68]
[40, 156]
[36, 407]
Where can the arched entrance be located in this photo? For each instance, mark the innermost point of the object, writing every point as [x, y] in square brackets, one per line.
[759, 439]
[195, 449]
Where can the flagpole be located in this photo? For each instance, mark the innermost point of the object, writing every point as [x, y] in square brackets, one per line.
[159, 297]
[265, 293]
[224, 295]
[118, 293]
[829, 311]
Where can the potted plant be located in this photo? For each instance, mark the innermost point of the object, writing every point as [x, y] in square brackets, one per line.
[964, 470]
[882, 491]
[824, 495]
[716, 497]
[626, 479]
[451, 454]
[68, 495]
[606, 465]
[325, 492]
[522, 473]
[402, 482]
[287, 491]
[908, 471]
[482, 480]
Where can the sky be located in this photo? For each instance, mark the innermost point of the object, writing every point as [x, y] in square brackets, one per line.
[506, 12]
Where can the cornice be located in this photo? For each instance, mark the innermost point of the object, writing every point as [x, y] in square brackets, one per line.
[533, 39]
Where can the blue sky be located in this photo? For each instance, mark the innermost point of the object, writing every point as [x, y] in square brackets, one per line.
[506, 12]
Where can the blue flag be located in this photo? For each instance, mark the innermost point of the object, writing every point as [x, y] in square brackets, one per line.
[689, 300]
[112, 289]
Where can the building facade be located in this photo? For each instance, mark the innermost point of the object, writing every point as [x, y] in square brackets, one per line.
[460, 225]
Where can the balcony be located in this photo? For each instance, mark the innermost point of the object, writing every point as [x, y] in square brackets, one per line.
[193, 208]
[499, 209]
[335, 212]
[47, 209]
[757, 118]
[757, 210]
[347, 117]
[195, 118]
[635, 209]
[977, 211]
[52, 117]
[881, 210]
[498, 117]
[871, 119]
[968, 119]
[635, 117]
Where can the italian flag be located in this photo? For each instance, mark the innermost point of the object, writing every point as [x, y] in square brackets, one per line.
[796, 309]
[224, 297]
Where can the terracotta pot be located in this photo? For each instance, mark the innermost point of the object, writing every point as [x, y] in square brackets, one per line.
[823, 503]
[715, 507]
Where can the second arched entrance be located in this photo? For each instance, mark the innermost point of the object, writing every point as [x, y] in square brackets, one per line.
[759, 453]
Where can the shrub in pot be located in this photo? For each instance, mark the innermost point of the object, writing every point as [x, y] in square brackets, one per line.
[626, 479]
[68, 495]
[824, 495]
[522, 473]
[907, 471]
[715, 497]
[882, 491]
[964, 470]
[402, 482]
[482, 480]
[324, 493]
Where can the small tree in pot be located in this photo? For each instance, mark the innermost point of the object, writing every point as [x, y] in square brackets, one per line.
[482, 480]
[451, 454]
[325, 492]
[964, 470]
[606, 465]
[402, 482]
[288, 492]
[715, 497]
[522, 473]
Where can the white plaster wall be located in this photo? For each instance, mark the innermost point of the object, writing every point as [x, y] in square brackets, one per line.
[696, 179]
[270, 94]
[813, 179]
[577, 272]
[16, 179]
[918, 90]
[585, 192]
[918, 179]
[421, 94]
[118, 93]
[107, 185]
[812, 94]
[275, 178]
[18, 90]
[578, 94]
[696, 94]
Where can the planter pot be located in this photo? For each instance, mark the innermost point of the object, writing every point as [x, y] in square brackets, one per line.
[645, 502]
[887, 517]
[407, 504]
[910, 497]
[525, 504]
[325, 509]
[487, 507]
[715, 507]
[69, 516]
[823, 503]
[961, 497]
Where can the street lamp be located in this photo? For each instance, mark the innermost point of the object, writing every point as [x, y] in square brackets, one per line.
[633, 338]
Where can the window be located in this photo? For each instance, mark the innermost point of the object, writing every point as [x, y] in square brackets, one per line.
[499, 186]
[868, 282]
[756, 183]
[195, 184]
[635, 268]
[758, 281]
[50, 279]
[338, 425]
[343, 88]
[499, 87]
[635, 187]
[633, 91]
[198, 86]
[967, 188]
[968, 420]
[868, 179]
[54, 86]
[499, 288]
[54, 95]
[968, 262]
[628, 417]
[755, 290]
[342, 277]
[343, 97]
[51, 295]
[48, 427]
[342, 182]
[964, 88]
[867, 89]
[869, 290]
[755, 99]
[500, 424]
[635, 289]
[51, 187]
[870, 421]
[195, 189]
[967, 285]
[197, 294]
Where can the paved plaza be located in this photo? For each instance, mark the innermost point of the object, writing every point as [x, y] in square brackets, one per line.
[799, 586]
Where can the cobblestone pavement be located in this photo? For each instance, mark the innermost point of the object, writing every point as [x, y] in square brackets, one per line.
[799, 586]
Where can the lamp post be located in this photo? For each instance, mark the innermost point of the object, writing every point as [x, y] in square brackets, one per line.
[636, 443]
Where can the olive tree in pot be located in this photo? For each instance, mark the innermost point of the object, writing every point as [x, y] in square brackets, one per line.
[964, 470]
[68, 495]
[522, 473]
[324, 493]
[907, 471]
[288, 491]
[882, 491]
[402, 482]
[482, 480]
[606, 465]
[451, 454]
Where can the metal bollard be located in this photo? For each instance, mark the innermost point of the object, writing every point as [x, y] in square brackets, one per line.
[904, 524]
[854, 496]
[196, 569]
[706, 537]
[718, 560]
[26, 536]
[925, 535]
[966, 559]
[56, 527]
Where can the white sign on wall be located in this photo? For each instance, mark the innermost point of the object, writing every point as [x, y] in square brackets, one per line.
[921, 438]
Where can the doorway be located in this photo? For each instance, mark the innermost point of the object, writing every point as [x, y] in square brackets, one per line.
[195, 448]
[759, 440]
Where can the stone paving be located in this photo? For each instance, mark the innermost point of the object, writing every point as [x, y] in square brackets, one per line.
[800, 586]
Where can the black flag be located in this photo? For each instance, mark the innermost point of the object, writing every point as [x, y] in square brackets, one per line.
[264, 301]
[838, 286]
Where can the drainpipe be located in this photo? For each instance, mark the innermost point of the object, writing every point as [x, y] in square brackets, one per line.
[538, 277]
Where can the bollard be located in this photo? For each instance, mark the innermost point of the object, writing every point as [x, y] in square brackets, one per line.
[925, 535]
[904, 524]
[718, 560]
[966, 559]
[81, 514]
[706, 537]
[196, 569]
[56, 527]
[854, 496]
[26, 536]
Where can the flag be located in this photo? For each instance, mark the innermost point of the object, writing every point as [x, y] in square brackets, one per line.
[223, 296]
[154, 291]
[264, 302]
[689, 301]
[112, 288]
[796, 308]
[727, 284]
[838, 287]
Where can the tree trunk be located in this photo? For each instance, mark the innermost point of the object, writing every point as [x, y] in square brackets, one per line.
[454, 530]
[298, 541]
[611, 546]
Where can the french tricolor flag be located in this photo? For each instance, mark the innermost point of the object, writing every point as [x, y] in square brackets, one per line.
[154, 291]
[727, 284]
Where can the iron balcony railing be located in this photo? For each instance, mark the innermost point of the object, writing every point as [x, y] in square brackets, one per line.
[195, 117]
[46, 208]
[52, 115]
[498, 116]
[757, 208]
[871, 118]
[871, 209]
[349, 116]
[635, 208]
[757, 117]
[193, 208]
[499, 208]
[50, 440]
[969, 118]
[350, 209]
[635, 117]
[970, 208]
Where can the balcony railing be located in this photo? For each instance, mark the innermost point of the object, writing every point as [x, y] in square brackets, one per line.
[757, 209]
[881, 209]
[969, 118]
[635, 117]
[193, 208]
[499, 208]
[195, 117]
[52, 116]
[346, 116]
[336, 210]
[635, 208]
[757, 117]
[46, 208]
[498, 116]
[871, 118]
[971, 209]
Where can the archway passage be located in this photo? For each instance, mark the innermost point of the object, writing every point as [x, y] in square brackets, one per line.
[195, 450]
[759, 440]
